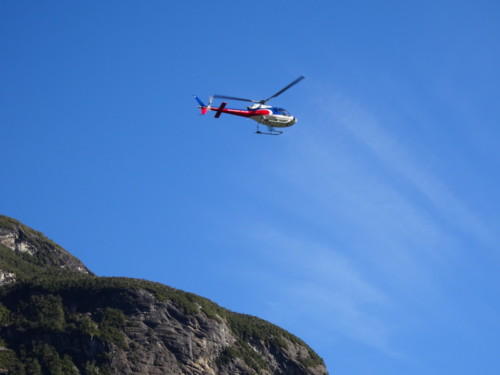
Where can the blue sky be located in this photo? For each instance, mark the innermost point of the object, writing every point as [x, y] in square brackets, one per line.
[369, 229]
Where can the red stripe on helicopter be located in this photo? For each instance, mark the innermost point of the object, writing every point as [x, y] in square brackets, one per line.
[243, 113]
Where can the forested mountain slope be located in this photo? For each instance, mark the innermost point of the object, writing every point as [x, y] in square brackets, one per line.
[57, 317]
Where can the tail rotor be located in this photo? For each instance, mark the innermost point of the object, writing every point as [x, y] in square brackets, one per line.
[209, 106]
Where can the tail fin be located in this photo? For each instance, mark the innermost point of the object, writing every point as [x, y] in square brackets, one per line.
[201, 105]
[204, 108]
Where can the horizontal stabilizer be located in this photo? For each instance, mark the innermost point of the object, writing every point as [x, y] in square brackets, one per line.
[220, 109]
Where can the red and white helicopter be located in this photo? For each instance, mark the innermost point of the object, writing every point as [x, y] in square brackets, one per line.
[264, 114]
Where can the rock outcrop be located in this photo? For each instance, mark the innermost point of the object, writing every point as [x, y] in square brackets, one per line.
[42, 251]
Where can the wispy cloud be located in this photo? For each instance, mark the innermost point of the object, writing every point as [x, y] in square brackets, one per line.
[410, 166]
[324, 286]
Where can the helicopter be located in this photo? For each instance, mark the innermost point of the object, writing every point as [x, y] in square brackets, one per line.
[272, 117]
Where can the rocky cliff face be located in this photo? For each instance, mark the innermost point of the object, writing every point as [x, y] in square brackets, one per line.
[72, 322]
[36, 249]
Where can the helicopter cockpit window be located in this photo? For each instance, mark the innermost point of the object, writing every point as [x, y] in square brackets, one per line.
[280, 111]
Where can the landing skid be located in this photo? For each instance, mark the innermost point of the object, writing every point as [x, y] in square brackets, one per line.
[272, 131]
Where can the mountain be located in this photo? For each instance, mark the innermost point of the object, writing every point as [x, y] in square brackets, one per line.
[57, 317]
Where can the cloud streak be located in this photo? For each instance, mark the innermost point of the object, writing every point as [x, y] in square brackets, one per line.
[392, 153]
[324, 286]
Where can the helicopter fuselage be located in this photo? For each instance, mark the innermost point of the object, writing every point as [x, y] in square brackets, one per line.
[265, 115]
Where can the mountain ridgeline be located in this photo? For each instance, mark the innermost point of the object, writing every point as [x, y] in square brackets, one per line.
[57, 317]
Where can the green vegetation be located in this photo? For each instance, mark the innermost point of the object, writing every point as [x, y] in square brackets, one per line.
[247, 327]
[44, 359]
[10, 361]
[42, 311]
[19, 263]
[112, 322]
[243, 350]
[8, 223]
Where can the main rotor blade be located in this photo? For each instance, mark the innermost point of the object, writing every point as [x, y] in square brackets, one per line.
[234, 98]
[283, 90]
